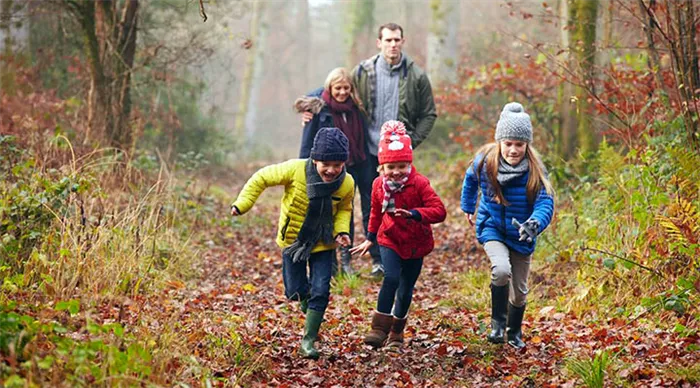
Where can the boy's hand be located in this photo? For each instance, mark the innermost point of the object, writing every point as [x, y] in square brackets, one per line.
[234, 211]
[470, 218]
[306, 117]
[403, 213]
[362, 248]
[343, 240]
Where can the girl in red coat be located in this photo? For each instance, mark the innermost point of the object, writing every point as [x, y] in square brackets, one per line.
[403, 207]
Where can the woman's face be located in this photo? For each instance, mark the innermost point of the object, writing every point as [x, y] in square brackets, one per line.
[340, 90]
[513, 151]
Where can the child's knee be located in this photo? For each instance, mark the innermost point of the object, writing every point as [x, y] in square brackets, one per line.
[500, 275]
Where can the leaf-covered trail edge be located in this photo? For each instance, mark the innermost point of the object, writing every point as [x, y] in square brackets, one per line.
[241, 289]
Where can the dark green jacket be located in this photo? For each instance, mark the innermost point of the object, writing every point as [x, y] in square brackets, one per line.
[416, 104]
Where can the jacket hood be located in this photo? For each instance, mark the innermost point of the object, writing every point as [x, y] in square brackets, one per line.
[309, 104]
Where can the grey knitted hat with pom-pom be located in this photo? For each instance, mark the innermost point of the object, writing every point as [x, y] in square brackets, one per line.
[514, 124]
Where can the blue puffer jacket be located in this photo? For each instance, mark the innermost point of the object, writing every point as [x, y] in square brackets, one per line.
[493, 221]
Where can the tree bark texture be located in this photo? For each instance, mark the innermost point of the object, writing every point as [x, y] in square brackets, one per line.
[248, 73]
[109, 34]
[583, 14]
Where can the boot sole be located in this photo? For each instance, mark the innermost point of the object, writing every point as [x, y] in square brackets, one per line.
[496, 340]
[373, 344]
[311, 356]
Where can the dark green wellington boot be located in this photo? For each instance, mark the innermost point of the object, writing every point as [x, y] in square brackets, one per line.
[515, 321]
[312, 324]
[499, 308]
[304, 304]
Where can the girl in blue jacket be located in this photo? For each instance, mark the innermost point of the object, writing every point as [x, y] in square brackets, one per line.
[515, 205]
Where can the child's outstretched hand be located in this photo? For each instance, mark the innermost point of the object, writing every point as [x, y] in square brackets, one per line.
[362, 248]
[343, 240]
[470, 218]
[403, 213]
[234, 211]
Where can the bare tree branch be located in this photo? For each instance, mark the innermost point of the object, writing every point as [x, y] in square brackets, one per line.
[201, 11]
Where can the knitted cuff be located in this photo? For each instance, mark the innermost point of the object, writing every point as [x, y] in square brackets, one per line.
[415, 214]
[372, 237]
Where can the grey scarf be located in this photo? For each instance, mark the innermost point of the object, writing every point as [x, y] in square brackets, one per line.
[318, 224]
[508, 173]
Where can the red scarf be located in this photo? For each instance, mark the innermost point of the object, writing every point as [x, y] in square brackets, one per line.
[351, 125]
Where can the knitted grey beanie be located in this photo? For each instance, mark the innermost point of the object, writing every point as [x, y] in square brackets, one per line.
[514, 124]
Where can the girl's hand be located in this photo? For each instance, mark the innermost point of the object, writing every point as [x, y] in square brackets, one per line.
[362, 248]
[403, 213]
[234, 211]
[470, 218]
[343, 240]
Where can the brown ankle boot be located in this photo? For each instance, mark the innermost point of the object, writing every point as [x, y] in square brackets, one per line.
[396, 333]
[381, 324]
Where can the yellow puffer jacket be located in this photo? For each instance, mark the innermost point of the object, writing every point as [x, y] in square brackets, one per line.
[291, 174]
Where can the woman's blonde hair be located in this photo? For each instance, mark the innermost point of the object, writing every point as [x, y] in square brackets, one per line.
[536, 180]
[342, 74]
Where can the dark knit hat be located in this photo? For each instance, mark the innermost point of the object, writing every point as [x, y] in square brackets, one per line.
[514, 124]
[394, 143]
[330, 144]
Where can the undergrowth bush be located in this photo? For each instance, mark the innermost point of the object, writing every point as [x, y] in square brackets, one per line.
[633, 227]
[70, 234]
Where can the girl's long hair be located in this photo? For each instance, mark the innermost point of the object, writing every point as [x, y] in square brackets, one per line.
[536, 180]
[342, 74]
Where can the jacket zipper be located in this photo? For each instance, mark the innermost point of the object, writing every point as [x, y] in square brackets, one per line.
[284, 228]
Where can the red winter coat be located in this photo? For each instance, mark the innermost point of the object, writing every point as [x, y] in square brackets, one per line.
[411, 239]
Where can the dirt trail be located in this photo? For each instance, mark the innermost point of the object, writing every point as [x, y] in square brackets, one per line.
[445, 340]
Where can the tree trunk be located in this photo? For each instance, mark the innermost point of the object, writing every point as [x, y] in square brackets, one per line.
[247, 80]
[654, 62]
[360, 29]
[110, 44]
[584, 14]
[442, 41]
[305, 48]
[5, 26]
[251, 119]
[566, 133]
[686, 62]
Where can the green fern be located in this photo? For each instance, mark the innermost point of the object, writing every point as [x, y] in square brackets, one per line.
[591, 371]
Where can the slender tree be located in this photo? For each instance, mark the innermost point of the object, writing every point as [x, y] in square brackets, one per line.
[676, 29]
[252, 61]
[360, 28]
[109, 28]
[582, 18]
[442, 40]
[566, 132]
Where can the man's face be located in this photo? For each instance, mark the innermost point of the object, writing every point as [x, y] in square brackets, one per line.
[390, 45]
[330, 170]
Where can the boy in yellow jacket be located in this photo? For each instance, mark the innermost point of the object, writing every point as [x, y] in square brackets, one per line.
[315, 216]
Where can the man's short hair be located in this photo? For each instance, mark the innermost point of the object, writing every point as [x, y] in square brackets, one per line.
[390, 27]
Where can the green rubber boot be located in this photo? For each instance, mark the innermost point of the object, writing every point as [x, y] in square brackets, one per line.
[313, 323]
[304, 305]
